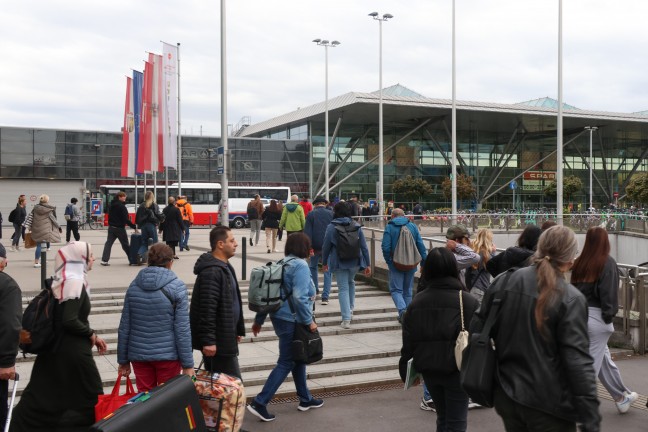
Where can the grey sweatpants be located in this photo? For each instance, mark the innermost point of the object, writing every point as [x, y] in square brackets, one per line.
[255, 228]
[604, 367]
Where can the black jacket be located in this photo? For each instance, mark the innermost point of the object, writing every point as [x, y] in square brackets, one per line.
[514, 256]
[271, 219]
[211, 313]
[118, 215]
[431, 325]
[10, 319]
[553, 374]
[603, 293]
[150, 215]
[172, 226]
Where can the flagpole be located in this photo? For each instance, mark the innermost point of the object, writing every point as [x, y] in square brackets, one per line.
[223, 217]
[135, 179]
[166, 185]
[155, 187]
[179, 168]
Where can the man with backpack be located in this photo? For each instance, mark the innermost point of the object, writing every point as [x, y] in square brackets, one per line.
[187, 220]
[316, 223]
[403, 250]
[72, 216]
[10, 325]
[255, 217]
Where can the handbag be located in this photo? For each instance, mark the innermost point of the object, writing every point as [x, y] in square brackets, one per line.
[222, 399]
[479, 362]
[462, 338]
[108, 404]
[306, 345]
[29, 241]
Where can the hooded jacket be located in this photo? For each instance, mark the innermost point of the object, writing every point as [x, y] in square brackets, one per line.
[316, 223]
[118, 215]
[185, 210]
[514, 256]
[390, 239]
[329, 249]
[292, 217]
[43, 224]
[152, 327]
[211, 313]
[10, 319]
[552, 373]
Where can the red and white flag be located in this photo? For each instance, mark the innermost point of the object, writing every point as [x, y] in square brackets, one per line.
[170, 96]
[128, 133]
[150, 157]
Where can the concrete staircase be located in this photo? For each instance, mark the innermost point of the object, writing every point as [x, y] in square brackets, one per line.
[364, 356]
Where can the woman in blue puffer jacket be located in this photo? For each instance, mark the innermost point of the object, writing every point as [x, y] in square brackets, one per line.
[344, 269]
[298, 284]
[154, 332]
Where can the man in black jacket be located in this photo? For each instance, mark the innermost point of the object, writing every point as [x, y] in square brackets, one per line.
[10, 325]
[117, 219]
[216, 313]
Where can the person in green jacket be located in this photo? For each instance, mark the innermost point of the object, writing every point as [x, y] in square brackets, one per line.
[292, 217]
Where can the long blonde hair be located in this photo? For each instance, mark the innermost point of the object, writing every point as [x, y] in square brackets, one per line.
[556, 247]
[148, 199]
[483, 245]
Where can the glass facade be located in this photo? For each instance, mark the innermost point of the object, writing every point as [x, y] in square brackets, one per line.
[96, 157]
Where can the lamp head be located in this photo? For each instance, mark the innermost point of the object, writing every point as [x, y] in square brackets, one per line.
[335, 43]
[387, 16]
[317, 40]
[373, 14]
[324, 42]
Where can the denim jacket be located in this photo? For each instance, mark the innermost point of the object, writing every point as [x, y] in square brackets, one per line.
[329, 250]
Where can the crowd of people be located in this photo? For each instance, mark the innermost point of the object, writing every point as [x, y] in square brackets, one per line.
[547, 328]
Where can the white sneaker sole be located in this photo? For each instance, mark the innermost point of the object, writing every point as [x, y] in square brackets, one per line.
[256, 414]
[301, 408]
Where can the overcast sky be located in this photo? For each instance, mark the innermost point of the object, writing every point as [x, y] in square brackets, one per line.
[64, 62]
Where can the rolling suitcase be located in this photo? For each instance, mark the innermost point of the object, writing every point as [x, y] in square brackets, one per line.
[222, 398]
[11, 403]
[173, 406]
[135, 243]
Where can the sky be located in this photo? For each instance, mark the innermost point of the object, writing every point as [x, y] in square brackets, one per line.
[64, 63]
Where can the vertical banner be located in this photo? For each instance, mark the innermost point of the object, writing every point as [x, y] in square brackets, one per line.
[144, 145]
[128, 133]
[138, 83]
[170, 121]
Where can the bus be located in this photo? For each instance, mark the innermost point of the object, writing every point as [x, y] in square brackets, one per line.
[203, 197]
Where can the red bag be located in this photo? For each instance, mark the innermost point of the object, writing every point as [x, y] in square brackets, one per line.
[108, 404]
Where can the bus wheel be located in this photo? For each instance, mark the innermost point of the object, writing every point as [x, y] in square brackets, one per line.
[238, 223]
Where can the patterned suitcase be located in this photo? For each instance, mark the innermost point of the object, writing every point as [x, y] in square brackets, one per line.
[173, 406]
[222, 399]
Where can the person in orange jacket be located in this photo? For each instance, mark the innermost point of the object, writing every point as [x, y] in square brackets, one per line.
[187, 220]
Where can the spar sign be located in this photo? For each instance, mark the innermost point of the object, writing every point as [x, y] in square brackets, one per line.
[537, 180]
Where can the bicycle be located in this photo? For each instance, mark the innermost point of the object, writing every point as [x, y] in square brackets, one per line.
[90, 221]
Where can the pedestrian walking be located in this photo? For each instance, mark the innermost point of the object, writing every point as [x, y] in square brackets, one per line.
[317, 222]
[300, 288]
[477, 277]
[72, 216]
[292, 217]
[306, 205]
[172, 226]
[42, 224]
[596, 275]
[271, 218]
[117, 219]
[147, 218]
[18, 219]
[255, 217]
[187, 220]
[516, 256]
[458, 241]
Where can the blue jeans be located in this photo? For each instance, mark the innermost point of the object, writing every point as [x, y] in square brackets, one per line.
[400, 287]
[185, 234]
[450, 400]
[346, 291]
[285, 365]
[149, 234]
[426, 393]
[38, 250]
[314, 260]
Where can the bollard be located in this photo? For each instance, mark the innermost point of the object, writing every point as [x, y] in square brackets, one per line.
[373, 252]
[210, 221]
[43, 261]
[244, 259]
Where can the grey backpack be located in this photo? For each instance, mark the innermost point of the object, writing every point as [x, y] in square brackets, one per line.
[406, 255]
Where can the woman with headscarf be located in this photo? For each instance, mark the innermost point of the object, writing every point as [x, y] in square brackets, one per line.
[64, 384]
[154, 334]
[42, 224]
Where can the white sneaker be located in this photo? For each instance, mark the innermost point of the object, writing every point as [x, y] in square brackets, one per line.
[472, 404]
[345, 324]
[13, 248]
[628, 399]
[37, 265]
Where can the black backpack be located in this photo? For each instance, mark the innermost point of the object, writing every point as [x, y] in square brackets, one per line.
[12, 215]
[252, 212]
[38, 334]
[348, 241]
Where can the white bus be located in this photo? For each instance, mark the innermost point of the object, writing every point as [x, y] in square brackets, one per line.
[204, 199]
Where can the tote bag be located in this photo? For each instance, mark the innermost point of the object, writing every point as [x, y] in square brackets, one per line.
[108, 404]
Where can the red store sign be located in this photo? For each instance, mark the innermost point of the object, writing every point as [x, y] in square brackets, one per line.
[540, 175]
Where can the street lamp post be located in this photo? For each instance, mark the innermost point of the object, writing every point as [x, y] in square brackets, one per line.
[326, 44]
[381, 202]
[96, 146]
[591, 130]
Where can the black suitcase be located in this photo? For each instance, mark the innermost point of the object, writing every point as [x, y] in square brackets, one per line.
[135, 243]
[173, 406]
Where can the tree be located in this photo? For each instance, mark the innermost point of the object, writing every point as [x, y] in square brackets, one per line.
[412, 188]
[465, 187]
[637, 189]
[571, 185]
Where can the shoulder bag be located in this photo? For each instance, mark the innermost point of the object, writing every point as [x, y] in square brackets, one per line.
[462, 339]
[479, 362]
[306, 346]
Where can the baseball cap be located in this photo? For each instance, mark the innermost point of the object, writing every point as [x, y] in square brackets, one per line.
[319, 199]
[457, 231]
[3, 251]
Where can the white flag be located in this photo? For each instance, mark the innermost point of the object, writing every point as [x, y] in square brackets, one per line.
[170, 102]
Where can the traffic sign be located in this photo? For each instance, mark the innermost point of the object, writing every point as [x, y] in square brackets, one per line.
[96, 207]
[220, 160]
[615, 194]
[513, 184]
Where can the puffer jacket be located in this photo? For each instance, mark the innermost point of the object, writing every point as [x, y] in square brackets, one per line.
[514, 256]
[431, 325]
[555, 373]
[329, 249]
[292, 217]
[391, 236]
[43, 225]
[152, 328]
[297, 280]
[211, 313]
[316, 223]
